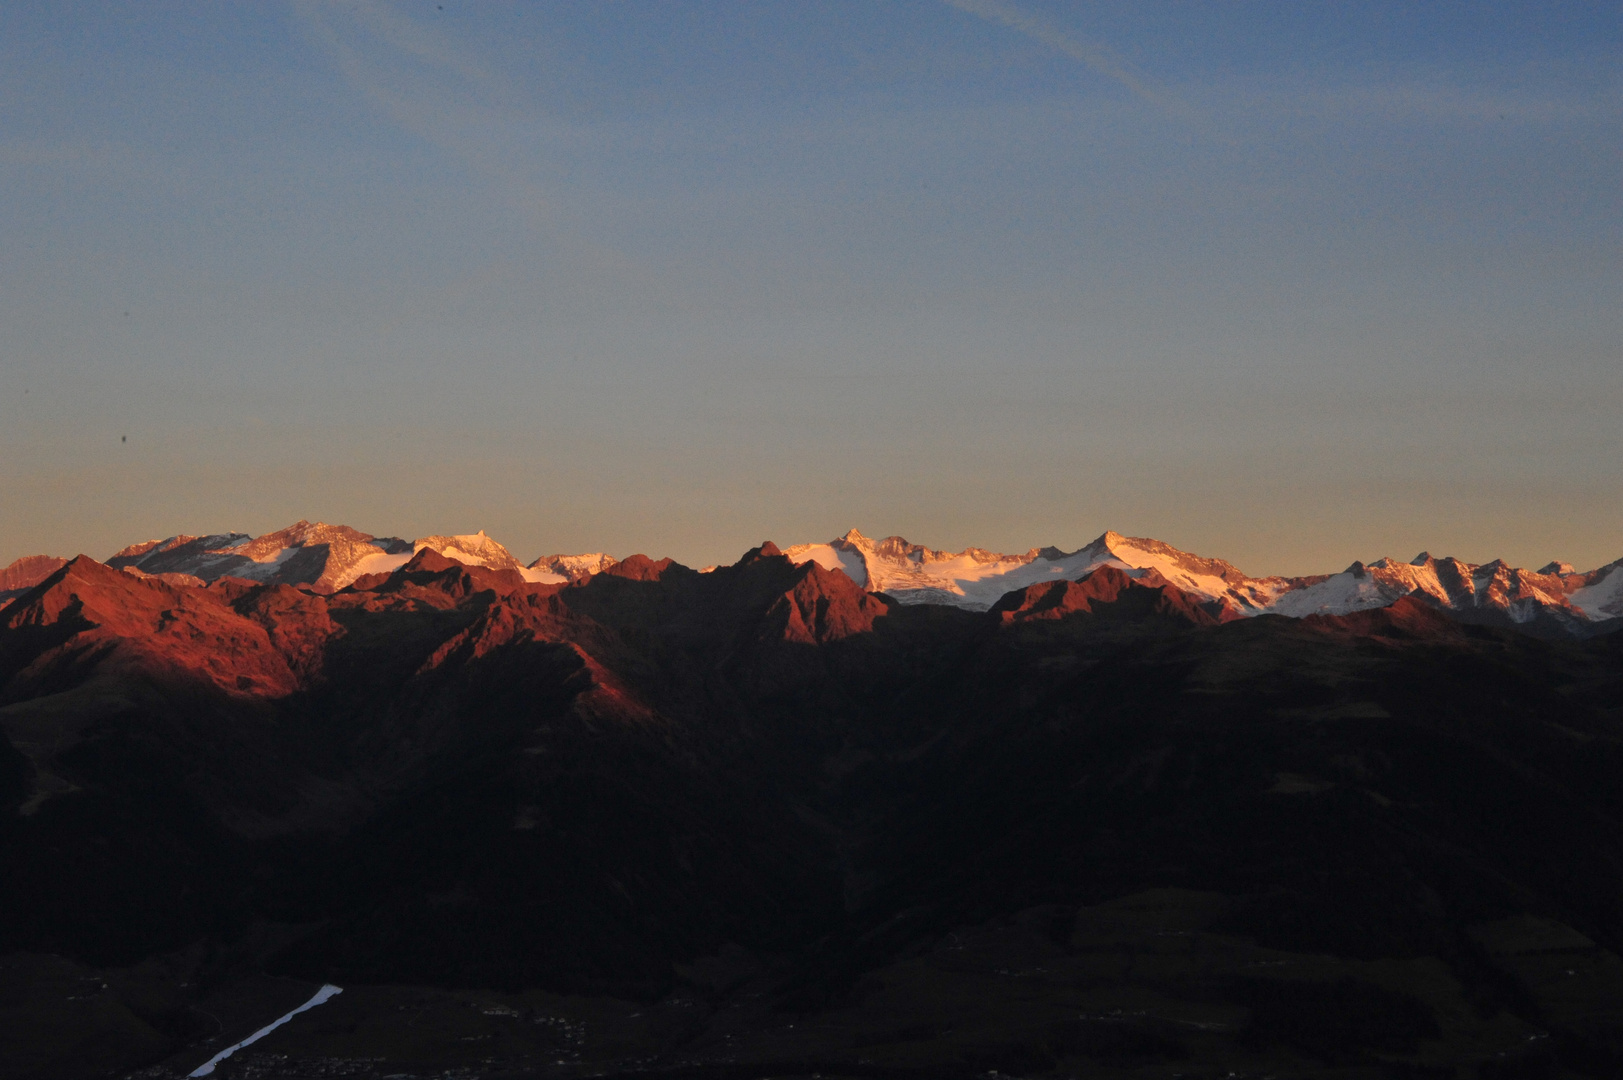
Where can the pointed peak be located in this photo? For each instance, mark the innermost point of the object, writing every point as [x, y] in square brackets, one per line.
[852, 536]
[1422, 559]
[429, 559]
[80, 572]
[1106, 541]
[767, 550]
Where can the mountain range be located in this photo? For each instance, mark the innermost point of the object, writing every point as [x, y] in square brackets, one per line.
[1555, 600]
[1100, 813]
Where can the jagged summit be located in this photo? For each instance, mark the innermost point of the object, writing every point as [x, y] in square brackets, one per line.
[1555, 600]
[574, 567]
[472, 549]
[26, 572]
[976, 578]
[326, 557]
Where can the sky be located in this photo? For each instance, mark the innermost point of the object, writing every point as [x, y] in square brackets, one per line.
[1286, 284]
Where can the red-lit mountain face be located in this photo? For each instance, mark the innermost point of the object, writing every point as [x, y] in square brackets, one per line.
[1555, 601]
[324, 557]
[25, 573]
[449, 772]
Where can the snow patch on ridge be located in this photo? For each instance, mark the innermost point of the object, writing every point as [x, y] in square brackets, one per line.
[1603, 597]
[570, 567]
[381, 563]
[332, 557]
[1210, 579]
[976, 579]
[1338, 594]
[473, 549]
[831, 558]
[259, 569]
[477, 549]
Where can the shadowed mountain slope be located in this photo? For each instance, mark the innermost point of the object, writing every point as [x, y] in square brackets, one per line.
[449, 774]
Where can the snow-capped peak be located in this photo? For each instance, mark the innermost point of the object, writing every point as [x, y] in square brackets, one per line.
[571, 567]
[477, 549]
[976, 578]
[318, 554]
[1554, 599]
[1211, 579]
[471, 549]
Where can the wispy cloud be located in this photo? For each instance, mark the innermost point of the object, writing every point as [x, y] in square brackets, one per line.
[429, 88]
[1094, 56]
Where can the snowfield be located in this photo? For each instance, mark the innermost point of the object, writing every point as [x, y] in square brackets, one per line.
[975, 579]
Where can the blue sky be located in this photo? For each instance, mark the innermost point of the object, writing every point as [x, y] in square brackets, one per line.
[1289, 284]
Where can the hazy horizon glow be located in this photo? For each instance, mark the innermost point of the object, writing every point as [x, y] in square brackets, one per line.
[1286, 285]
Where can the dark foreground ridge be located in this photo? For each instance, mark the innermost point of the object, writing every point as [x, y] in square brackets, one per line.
[761, 822]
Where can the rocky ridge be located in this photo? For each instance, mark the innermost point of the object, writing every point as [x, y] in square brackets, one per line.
[26, 572]
[1555, 601]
